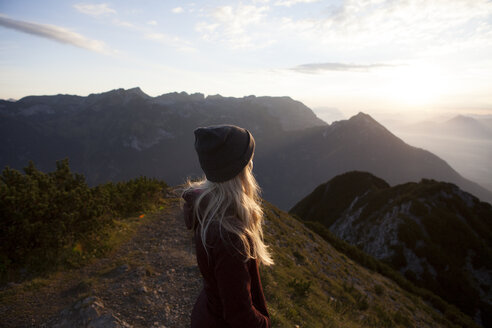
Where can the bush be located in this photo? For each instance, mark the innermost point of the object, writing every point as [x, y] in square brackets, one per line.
[379, 290]
[47, 217]
[131, 197]
[301, 288]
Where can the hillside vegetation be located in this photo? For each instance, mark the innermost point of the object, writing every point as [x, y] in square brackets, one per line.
[435, 234]
[52, 219]
[152, 279]
[314, 284]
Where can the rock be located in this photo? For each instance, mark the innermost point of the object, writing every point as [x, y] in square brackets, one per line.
[192, 269]
[140, 272]
[89, 313]
[117, 271]
[12, 284]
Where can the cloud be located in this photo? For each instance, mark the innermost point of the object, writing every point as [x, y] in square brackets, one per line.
[415, 25]
[150, 32]
[178, 10]
[121, 23]
[171, 41]
[239, 27]
[94, 9]
[289, 3]
[321, 67]
[55, 33]
[386, 29]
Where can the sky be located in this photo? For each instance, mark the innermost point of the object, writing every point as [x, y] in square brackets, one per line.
[419, 58]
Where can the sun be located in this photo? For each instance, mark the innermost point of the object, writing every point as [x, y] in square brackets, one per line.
[416, 86]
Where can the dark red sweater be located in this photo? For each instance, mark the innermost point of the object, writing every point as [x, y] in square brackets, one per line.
[232, 295]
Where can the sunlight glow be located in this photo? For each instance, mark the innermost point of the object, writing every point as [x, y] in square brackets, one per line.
[415, 86]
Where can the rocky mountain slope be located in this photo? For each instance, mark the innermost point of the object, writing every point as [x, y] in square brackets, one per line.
[121, 134]
[437, 235]
[152, 281]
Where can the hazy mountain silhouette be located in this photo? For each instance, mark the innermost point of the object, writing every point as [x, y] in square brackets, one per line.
[121, 134]
[465, 143]
[359, 143]
[434, 233]
[460, 126]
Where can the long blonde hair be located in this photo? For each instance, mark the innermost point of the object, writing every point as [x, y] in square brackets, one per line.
[241, 195]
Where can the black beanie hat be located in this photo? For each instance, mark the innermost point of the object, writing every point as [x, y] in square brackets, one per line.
[223, 150]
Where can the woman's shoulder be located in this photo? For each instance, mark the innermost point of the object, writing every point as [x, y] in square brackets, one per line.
[190, 195]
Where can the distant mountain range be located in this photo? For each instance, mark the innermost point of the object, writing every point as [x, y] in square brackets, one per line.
[464, 142]
[434, 233]
[121, 134]
[460, 126]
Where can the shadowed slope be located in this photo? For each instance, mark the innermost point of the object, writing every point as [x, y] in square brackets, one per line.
[434, 233]
[153, 280]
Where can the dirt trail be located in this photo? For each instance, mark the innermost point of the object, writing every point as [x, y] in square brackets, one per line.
[152, 280]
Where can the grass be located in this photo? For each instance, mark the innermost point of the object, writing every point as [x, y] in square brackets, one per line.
[313, 285]
[110, 239]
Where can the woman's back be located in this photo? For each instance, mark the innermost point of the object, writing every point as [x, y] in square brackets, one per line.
[232, 293]
[226, 217]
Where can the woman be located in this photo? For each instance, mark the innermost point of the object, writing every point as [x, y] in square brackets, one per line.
[225, 214]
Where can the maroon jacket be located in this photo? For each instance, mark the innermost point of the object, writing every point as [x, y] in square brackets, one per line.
[232, 295]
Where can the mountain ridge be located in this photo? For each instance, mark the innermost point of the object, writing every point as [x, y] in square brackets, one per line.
[434, 233]
[121, 134]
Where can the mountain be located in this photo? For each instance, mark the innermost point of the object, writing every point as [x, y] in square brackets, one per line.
[487, 122]
[467, 127]
[359, 143]
[459, 126]
[434, 233]
[464, 142]
[151, 279]
[121, 134]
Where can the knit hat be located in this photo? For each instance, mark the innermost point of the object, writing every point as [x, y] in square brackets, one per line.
[223, 150]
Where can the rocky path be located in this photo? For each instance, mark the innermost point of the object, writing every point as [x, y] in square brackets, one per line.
[150, 281]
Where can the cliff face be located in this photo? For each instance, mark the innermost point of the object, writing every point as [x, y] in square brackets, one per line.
[434, 233]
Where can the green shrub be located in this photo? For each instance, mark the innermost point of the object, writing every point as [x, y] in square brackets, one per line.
[409, 231]
[418, 208]
[379, 290]
[402, 319]
[47, 219]
[301, 288]
[299, 257]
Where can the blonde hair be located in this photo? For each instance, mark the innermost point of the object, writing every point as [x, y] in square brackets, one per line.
[241, 195]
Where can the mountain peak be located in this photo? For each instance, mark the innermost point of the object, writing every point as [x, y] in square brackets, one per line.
[462, 119]
[178, 97]
[137, 91]
[123, 93]
[214, 97]
[363, 121]
[363, 118]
